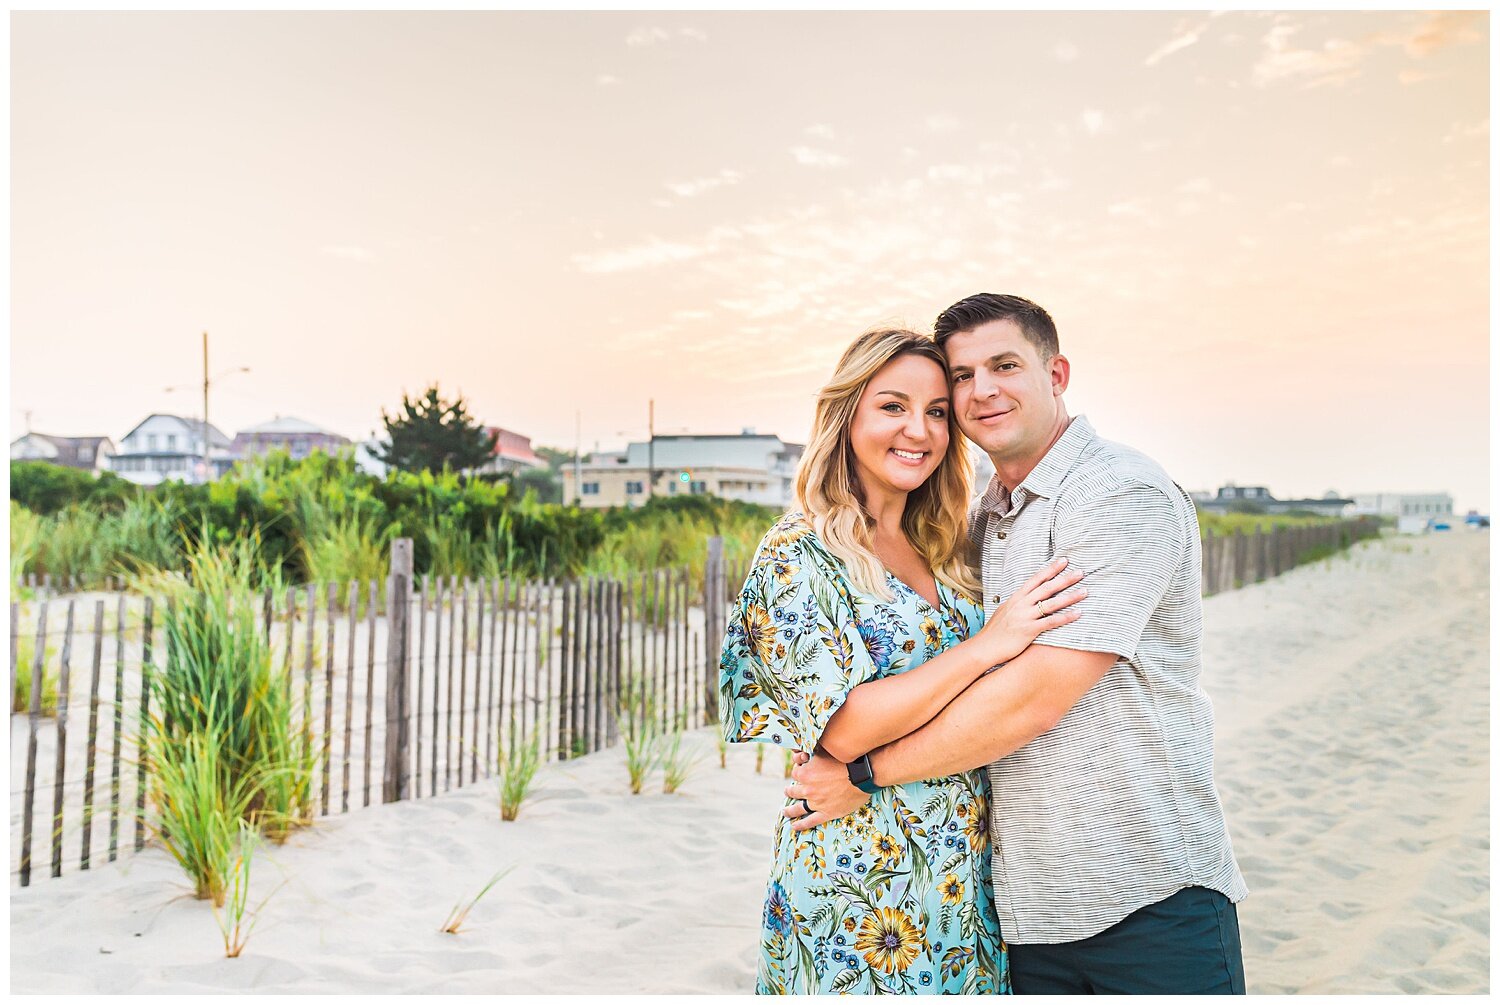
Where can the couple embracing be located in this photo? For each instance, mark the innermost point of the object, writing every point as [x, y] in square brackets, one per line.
[1006, 759]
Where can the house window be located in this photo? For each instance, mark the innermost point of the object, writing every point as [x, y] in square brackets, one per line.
[171, 441]
[150, 441]
[590, 488]
[634, 488]
[698, 488]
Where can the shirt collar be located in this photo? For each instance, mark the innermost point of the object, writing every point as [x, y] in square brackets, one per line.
[1048, 474]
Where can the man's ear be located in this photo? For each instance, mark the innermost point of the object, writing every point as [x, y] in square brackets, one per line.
[1061, 370]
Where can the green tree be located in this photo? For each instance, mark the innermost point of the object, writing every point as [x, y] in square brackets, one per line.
[555, 457]
[548, 489]
[431, 432]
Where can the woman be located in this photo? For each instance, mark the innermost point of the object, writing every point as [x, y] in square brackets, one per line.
[857, 624]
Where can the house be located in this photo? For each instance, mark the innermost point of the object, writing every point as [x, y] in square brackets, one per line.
[297, 436]
[512, 452]
[1413, 511]
[89, 453]
[164, 447]
[750, 467]
[1258, 499]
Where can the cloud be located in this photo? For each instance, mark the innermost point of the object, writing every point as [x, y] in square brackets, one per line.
[648, 254]
[348, 252]
[943, 123]
[819, 130]
[1409, 77]
[1442, 29]
[966, 174]
[809, 157]
[697, 186]
[1467, 131]
[1065, 51]
[1338, 61]
[1184, 36]
[656, 35]
[1093, 121]
[606, 80]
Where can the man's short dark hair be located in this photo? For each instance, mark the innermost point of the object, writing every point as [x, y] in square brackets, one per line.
[982, 308]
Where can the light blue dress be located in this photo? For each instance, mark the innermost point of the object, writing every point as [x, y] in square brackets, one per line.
[896, 897]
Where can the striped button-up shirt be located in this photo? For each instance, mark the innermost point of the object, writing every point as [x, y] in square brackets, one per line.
[1114, 808]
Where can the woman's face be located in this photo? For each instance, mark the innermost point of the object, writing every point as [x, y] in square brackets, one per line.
[900, 428]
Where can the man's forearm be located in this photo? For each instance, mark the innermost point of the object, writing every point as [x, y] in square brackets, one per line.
[996, 715]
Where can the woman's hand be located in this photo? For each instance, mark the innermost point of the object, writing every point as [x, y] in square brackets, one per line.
[1037, 606]
[824, 783]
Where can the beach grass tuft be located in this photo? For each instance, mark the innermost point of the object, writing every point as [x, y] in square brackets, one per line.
[518, 764]
[232, 920]
[640, 734]
[460, 912]
[676, 763]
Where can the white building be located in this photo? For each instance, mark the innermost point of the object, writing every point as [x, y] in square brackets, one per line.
[749, 467]
[88, 453]
[167, 447]
[1413, 511]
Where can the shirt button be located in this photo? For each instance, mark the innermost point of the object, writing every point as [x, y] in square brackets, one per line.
[1001, 535]
[997, 598]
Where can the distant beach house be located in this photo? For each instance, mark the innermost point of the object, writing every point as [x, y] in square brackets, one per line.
[512, 452]
[297, 436]
[89, 453]
[750, 467]
[1232, 498]
[164, 447]
[1413, 511]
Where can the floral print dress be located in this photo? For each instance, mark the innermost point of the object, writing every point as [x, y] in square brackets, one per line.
[895, 897]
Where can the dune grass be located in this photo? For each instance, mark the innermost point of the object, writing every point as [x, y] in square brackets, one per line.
[20, 696]
[677, 763]
[640, 734]
[517, 764]
[460, 913]
[232, 919]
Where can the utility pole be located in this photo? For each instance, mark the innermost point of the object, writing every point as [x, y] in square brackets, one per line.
[577, 457]
[651, 450]
[207, 470]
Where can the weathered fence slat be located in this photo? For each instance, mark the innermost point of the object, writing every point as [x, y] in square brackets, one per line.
[424, 604]
[448, 705]
[64, 680]
[140, 760]
[520, 691]
[463, 674]
[548, 705]
[307, 673]
[91, 753]
[479, 592]
[33, 718]
[332, 607]
[117, 738]
[349, 695]
[398, 617]
[371, 612]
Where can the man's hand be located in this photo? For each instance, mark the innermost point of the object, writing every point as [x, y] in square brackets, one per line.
[824, 783]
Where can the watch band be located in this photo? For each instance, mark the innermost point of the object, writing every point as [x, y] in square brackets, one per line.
[862, 774]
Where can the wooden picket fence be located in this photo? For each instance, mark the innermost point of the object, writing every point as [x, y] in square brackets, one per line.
[408, 692]
[420, 685]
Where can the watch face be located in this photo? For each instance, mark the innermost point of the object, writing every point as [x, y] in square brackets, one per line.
[859, 770]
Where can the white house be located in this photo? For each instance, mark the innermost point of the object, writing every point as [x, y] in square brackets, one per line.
[169, 447]
[1413, 511]
[88, 453]
[750, 467]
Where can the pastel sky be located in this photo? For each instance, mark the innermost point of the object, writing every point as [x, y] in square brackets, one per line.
[1264, 237]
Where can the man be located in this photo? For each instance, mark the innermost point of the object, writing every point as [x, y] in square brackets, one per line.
[1113, 869]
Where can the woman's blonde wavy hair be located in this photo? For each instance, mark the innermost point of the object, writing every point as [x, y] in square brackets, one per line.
[830, 494]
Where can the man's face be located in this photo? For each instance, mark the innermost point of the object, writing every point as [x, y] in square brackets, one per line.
[1004, 395]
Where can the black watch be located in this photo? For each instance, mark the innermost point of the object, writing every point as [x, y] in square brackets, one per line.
[862, 774]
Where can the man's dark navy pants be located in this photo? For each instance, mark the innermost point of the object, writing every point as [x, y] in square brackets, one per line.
[1186, 944]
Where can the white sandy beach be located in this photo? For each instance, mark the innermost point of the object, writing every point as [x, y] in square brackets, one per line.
[1352, 705]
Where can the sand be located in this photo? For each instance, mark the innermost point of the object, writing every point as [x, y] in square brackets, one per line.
[1352, 706]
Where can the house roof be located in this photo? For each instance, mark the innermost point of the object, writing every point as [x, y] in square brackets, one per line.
[287, 424]
[216, 435]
